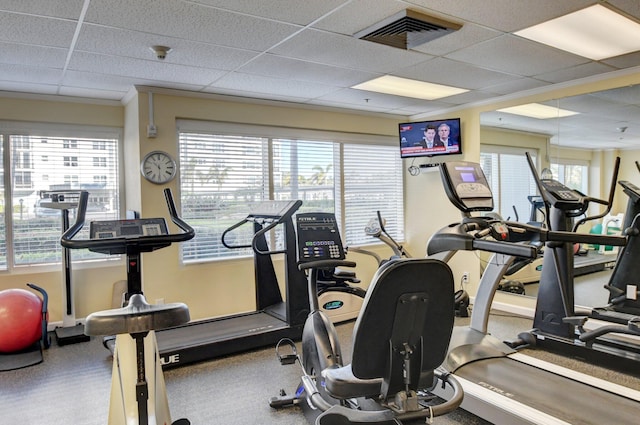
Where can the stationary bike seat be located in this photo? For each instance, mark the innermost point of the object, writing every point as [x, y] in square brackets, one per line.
[136, 317]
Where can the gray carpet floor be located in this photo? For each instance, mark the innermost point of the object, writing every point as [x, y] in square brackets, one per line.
[72, 386]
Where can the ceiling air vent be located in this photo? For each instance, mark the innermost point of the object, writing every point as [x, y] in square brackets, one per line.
[407, 29]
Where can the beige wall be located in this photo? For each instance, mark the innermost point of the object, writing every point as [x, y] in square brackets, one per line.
[224, 287]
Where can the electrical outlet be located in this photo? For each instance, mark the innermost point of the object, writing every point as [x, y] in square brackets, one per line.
[465, 278]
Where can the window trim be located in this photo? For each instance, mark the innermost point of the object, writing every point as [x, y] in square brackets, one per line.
[340, 139]
[57, 130]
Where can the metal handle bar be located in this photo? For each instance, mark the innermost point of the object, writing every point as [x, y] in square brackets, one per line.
[68, 240]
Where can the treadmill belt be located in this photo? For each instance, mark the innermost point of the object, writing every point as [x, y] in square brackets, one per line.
[563, 398]
[216, 330]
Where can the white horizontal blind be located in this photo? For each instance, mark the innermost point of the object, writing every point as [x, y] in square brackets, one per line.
[40, 163]
[372, 182]
[221, 177]
[226, 168]
[511, 182]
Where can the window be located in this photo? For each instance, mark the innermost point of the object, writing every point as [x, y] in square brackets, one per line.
[222, 173]
[42, 163]
[511, 181]
[572, 174]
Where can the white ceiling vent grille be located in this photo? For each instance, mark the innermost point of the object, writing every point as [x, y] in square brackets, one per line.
[407, 29]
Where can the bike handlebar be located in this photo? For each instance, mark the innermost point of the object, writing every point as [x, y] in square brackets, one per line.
[148, 242]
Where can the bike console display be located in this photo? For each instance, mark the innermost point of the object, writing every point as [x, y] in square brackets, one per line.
[128, 228]
[318, 237]
[466, 186]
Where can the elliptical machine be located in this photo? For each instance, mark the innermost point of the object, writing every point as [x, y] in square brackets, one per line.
[138, 394]
[399, 340]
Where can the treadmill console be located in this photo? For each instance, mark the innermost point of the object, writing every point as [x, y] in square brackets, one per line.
[318, 237]
[466, 186]
[110, 229]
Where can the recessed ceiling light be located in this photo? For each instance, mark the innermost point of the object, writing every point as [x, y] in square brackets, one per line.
[596, 32]
[398, 86]
[539, 111]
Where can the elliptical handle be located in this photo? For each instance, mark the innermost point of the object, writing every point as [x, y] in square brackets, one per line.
[67, 237]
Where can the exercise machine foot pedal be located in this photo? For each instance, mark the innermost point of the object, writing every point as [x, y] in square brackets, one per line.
[289, 358]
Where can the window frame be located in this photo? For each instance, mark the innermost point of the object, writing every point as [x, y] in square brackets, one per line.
[339, 139]
[510, 150]
[53, 130]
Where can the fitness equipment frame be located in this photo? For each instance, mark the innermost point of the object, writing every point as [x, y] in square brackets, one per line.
[400, 337]
[71, 331]
[138, 393]
[556, 325]
[502, 385]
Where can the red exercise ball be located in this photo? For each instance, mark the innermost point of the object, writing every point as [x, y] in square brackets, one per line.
[20, 319]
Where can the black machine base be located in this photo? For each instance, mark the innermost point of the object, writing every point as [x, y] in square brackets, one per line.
[71, 335]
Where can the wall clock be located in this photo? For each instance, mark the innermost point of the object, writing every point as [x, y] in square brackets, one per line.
[158, 167]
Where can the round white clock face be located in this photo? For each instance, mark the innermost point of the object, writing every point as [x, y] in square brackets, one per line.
[158, 167]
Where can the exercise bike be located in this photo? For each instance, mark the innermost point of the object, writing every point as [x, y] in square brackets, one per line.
[400, 338]
[138, 394]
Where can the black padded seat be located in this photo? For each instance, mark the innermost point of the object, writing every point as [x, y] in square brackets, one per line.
[136, 317]
[345, 385]
[409, 308]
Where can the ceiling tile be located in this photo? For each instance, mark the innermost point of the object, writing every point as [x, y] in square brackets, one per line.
[24, 54]
[516, 55]
[69, 9]
[270, 85]
[453, 73]
[42, 75]
[492, 13]
[282, 10]
[190, 21]
[135, 44]
[576, 72]
[137, 68]
[466, 36]
[337, 50]
[25, 29]
[281, 67]
[358, 15]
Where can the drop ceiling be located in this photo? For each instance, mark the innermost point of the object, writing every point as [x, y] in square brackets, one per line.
[305, 52]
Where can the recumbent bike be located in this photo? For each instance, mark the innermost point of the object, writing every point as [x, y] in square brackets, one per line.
[400, 339]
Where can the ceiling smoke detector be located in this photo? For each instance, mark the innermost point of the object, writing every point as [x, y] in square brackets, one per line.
[160, 51]
[407, 29]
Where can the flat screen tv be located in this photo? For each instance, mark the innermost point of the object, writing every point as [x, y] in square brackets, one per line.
[430, 138]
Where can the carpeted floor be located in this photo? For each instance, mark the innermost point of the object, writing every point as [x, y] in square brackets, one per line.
[72, 386]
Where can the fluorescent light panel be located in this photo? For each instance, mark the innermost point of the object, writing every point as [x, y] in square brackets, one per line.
[539, 111]
[596, 32]
[408, 88]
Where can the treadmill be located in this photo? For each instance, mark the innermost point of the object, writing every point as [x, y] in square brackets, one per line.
[502, 385]
[276, 317]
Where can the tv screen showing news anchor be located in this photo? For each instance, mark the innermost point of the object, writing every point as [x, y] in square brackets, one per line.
[430, 138]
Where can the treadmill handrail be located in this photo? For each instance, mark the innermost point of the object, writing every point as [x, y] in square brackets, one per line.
[458, 237]
[149, 242]
[252, 218]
